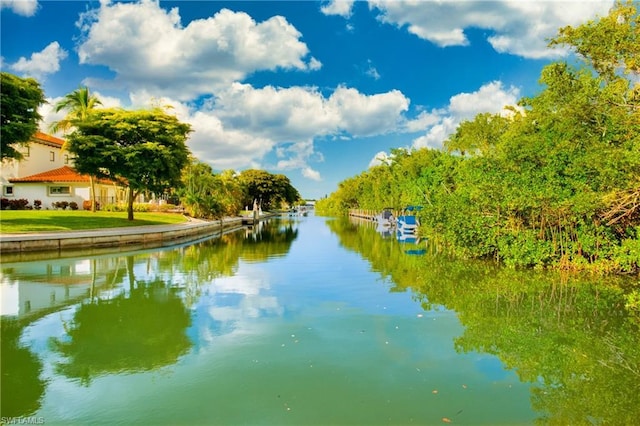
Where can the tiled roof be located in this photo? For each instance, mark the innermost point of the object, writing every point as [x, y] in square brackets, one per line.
[48, 138]
[63, 174]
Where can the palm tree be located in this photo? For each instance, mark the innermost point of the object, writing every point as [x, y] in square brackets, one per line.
[78, 104]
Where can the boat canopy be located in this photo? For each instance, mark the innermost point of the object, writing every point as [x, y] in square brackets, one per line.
[408, 220]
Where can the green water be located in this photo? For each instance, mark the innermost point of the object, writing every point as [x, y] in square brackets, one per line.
[312, 321]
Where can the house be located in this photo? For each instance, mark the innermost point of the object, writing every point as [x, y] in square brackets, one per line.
[46, 174]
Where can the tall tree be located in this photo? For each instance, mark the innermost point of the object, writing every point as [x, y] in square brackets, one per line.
[197, 192]
[610, 44]
[78, 105]
[268, 189]
[19, 102]
[145, 149]
[478, 136]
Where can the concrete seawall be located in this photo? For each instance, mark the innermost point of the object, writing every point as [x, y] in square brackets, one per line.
[126, 238]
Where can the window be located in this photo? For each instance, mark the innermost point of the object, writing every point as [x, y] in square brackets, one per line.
[59, 190]
[66, 159]
[27, 151]
[52, 156]
[8, 190]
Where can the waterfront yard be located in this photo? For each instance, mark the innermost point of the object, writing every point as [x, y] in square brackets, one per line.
[19, 221]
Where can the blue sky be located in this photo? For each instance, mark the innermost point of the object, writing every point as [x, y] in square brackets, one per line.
[318, 91]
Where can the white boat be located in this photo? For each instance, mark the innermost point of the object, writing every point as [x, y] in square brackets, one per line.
[407, 224]
[385, 219]
[407, 238]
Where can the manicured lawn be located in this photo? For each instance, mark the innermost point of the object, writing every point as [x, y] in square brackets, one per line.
[16, 221]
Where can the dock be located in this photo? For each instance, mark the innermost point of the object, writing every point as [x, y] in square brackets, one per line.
[250, 220]
[369, 215]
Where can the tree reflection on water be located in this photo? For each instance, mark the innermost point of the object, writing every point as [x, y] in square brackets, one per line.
[570, 336]
[142, 329]
[22, 387]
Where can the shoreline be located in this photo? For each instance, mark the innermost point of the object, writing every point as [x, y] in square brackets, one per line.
[127, 238]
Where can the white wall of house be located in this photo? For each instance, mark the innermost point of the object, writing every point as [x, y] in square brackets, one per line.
[49, 193]
[42, 155]
[38, 157]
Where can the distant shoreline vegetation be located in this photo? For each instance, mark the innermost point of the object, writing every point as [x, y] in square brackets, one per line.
[552, 183]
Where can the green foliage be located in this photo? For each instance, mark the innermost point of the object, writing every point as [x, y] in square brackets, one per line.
[478, 136]
[627, 254]
[209, 195]
[610, 43]
[139, 207]
[146, 149]
[556, 183]
[78, 105]
[19, 102]
[269, 190]
[205, 194]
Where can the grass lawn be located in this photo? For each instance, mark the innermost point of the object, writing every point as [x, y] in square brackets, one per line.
[16, 221]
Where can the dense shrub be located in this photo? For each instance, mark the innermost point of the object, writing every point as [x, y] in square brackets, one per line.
[141, 207]
[15, 204]
[73, 205]
[114, 208]
[60, 205]
[4, 203]
[37, 204]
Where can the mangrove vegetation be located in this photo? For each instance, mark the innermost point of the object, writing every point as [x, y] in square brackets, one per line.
[551, 182]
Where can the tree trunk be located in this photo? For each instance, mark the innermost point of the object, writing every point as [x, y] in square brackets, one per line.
[130, 204]
[92, 193]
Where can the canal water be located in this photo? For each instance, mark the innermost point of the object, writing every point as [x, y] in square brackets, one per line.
[312, 321]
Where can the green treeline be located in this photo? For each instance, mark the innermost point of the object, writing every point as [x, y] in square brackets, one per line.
[206, 194]
[553, 183]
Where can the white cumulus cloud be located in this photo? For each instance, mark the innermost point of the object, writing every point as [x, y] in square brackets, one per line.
[149, 48]
[338, 7]
[381, 158]
[439, 124]
[42, 63]
[423, 121]
[492, 98]
[367, 115]
[26, 8]
[242, 124]
[518, 27]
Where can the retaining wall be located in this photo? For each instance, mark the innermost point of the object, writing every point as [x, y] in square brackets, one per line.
[124, 238]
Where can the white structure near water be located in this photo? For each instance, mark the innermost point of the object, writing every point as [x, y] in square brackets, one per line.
[46, 174]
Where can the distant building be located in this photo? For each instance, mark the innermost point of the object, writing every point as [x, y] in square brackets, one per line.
[46, 173]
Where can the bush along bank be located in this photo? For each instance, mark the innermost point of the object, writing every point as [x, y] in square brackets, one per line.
[552, 182]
